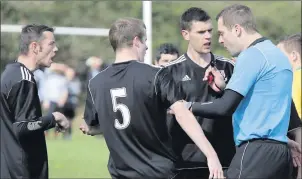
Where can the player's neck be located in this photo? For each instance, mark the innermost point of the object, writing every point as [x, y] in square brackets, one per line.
[125, 55]
[201, 59]
[296, 66]
[28, 62]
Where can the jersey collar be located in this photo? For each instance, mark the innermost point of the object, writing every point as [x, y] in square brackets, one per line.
[258, 41]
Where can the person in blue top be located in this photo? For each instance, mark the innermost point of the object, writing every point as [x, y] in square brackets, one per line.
[258, 96]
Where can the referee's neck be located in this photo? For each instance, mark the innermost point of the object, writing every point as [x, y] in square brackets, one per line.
[28, 62]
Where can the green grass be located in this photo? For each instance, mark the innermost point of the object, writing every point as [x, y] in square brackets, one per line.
[81, 157]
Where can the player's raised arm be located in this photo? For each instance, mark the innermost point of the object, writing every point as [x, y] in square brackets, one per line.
[169, 92]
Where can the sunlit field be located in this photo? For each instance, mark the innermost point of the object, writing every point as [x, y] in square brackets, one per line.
[81, 157]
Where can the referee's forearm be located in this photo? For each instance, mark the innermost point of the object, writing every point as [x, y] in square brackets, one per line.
[224, 106]
[43, 123]
[210, 110]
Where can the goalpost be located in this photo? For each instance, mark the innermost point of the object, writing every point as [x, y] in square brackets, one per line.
[147, 18]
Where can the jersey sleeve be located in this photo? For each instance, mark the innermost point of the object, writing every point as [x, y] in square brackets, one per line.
[166, 88]
[229, 69]
[90, 113]
[247, 70]
[27, 110]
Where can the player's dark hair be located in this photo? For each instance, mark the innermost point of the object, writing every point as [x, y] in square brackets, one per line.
[166, 48]
[31, 33]
[193, 14]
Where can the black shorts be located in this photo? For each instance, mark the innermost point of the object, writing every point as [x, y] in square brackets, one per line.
[265, 159]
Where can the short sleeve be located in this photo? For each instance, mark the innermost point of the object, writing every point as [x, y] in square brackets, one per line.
[90, 114]
[247, 71]
[166, 88]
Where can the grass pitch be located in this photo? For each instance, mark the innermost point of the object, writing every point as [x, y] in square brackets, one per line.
[81, 157]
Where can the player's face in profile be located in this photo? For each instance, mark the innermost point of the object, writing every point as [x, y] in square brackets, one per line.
[47, 49]
[199, 36]
[281, 47]
[142, 48]
[166, 58]
[228, 38]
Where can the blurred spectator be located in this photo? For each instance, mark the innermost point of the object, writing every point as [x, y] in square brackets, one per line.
[40, 76]
[95, 65]
[54, 89]
[291, 46]
[165, 54]
[74, 90]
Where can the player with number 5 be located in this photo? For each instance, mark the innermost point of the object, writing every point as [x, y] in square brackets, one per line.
[129, 100]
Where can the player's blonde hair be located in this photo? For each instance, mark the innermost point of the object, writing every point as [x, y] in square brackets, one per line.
[124, 30]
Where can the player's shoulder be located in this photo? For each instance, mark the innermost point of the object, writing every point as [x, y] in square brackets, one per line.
[149, 70]
[16, 72]
[99, 76]
[176, 63]
[223, 60]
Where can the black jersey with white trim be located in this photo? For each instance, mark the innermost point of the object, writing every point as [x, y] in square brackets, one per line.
[219, 133]
[23, 145]
[129, 100]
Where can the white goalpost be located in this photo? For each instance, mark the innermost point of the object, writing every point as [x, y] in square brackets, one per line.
[147, 18]
[62, 30]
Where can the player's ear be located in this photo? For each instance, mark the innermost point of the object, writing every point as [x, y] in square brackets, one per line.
[238, 30]
[136, 42]
[185, 34]
[294, 55]
[34, 47]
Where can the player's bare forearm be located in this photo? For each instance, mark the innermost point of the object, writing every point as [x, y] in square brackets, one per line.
[297, 136]
[190, 125]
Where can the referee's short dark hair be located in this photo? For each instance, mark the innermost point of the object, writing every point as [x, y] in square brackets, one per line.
[238, 14]
[193, 14]
[166, 48]
[31, 33]
[292, 43]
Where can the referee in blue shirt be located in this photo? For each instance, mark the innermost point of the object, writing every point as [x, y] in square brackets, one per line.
[259, 97]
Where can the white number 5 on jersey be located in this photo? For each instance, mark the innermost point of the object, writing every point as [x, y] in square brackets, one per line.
[120, 93]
